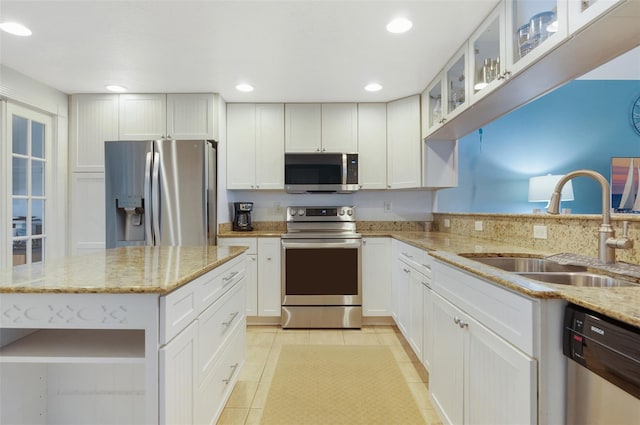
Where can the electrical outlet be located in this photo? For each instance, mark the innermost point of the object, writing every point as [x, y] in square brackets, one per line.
[277, 207]
[539, 232]
[388, 207]
[479, 226]
[447, 223]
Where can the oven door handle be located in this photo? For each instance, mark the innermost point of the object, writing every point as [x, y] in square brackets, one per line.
[321, 243]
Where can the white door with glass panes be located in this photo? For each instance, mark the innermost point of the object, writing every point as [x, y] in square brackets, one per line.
[29, 179]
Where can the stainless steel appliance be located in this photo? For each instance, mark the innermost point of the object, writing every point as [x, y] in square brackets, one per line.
[242, 216]
[321, 269]
[603, 370]
[160, 192]
[321, 172]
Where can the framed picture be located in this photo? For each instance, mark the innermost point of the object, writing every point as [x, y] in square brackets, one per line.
[624, 185]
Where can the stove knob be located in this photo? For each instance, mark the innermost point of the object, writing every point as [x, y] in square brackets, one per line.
[293, 212]
[341, 212]
[350, 212]
[301, 211]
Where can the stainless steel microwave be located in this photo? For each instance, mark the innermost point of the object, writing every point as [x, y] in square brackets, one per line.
[321, 172]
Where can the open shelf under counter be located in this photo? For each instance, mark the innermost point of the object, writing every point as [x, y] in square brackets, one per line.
[76, 346]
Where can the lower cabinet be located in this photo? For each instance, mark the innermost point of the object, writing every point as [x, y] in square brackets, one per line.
[376, 277]
[263, 274]
[477, 376]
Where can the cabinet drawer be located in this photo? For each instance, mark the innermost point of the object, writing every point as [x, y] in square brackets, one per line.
[178, 309]
[218, 283]
[252, 243]
[415, 257]
[504, 312]
[216, 324]
[217, 386]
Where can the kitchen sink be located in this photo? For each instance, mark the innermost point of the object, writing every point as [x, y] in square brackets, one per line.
[527, 264]
[579, 279]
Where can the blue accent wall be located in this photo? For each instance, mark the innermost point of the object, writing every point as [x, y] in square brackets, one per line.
[579, 125]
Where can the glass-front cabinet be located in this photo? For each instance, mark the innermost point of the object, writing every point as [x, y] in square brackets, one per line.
[487, 54]
[432, 113]
[534, 27]
[456, 84]
[582, 12]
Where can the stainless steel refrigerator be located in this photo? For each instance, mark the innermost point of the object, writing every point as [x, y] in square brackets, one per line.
[160, 192]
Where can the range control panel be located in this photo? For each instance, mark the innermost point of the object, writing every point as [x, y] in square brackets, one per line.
[321, 214]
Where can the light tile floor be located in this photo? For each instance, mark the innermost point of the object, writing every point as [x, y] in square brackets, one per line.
[263, 348]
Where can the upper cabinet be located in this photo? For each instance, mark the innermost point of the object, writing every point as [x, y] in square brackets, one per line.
[372, 144]
[523, 49]
[403, 143]
[93, 119]
[582, 12]
[158, 116]
[313, 127]
[255, 146]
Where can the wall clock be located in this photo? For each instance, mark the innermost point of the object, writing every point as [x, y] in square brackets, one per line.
[635, 115]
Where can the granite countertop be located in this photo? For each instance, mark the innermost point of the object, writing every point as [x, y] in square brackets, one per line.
[157, 270]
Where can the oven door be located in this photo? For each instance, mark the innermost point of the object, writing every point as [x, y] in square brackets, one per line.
[321, 272]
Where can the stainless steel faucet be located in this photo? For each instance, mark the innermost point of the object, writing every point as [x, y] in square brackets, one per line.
[607, 242]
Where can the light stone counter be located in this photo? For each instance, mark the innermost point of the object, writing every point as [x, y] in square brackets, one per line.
[120, 270]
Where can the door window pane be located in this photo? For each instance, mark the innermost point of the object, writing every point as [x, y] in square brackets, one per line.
[37, 178]
[37, 217]
[19, 252]
[37, 248]
[37, 139]
[19, 135]
[19, 176]
[19, 217]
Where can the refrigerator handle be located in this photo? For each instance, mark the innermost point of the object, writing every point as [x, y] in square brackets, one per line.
[155, 187]
[147, 200]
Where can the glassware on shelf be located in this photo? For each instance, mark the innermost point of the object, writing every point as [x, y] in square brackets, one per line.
[540, 26]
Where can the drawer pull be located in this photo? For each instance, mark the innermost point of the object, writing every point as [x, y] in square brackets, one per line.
[231, 319]
[407, 255]
[456, 321]
[229, 278]
[463, 325]
[233, 371]
[427, 266]
[406, 270]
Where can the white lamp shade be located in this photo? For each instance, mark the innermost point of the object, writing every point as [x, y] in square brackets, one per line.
[541, 188]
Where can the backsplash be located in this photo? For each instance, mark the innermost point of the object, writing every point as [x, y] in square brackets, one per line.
[576, 234]
[361, 226]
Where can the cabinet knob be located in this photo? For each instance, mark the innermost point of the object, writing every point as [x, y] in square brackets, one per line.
[268, 258]
[317, 149]
[324, 150]
[257, 186]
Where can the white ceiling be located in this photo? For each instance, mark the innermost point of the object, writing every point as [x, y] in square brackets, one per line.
[293, 51]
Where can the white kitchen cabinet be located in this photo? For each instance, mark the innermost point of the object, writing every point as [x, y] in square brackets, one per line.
[483, 367]
[178, 116]
[477, 377]
[178, 377]
[583, 12]
[303, 127]
[264, 294]
[94, 119]
[404, 143]
[255, 146]
[143, 116]
[87, 213]
[340, 127]
[269, 292]
[427, 324]
[372, 145]
[456, 84]
[376, 277]
[314, 127]
[191, 116]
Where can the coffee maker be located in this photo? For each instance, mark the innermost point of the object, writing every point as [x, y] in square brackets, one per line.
[242, 216]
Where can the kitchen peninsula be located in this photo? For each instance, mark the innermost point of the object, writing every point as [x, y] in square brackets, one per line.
[128, 335]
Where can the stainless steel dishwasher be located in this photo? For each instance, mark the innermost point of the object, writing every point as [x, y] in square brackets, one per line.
[603, 370]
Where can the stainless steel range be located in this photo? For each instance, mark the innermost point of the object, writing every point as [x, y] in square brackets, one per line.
[321, 269]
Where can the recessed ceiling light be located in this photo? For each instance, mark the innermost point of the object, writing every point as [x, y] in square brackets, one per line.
[399, 25]
[373, 87]
[15, 29]
[244, 87]
[116, 89]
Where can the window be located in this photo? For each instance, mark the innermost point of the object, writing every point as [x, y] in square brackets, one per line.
[29, 133]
